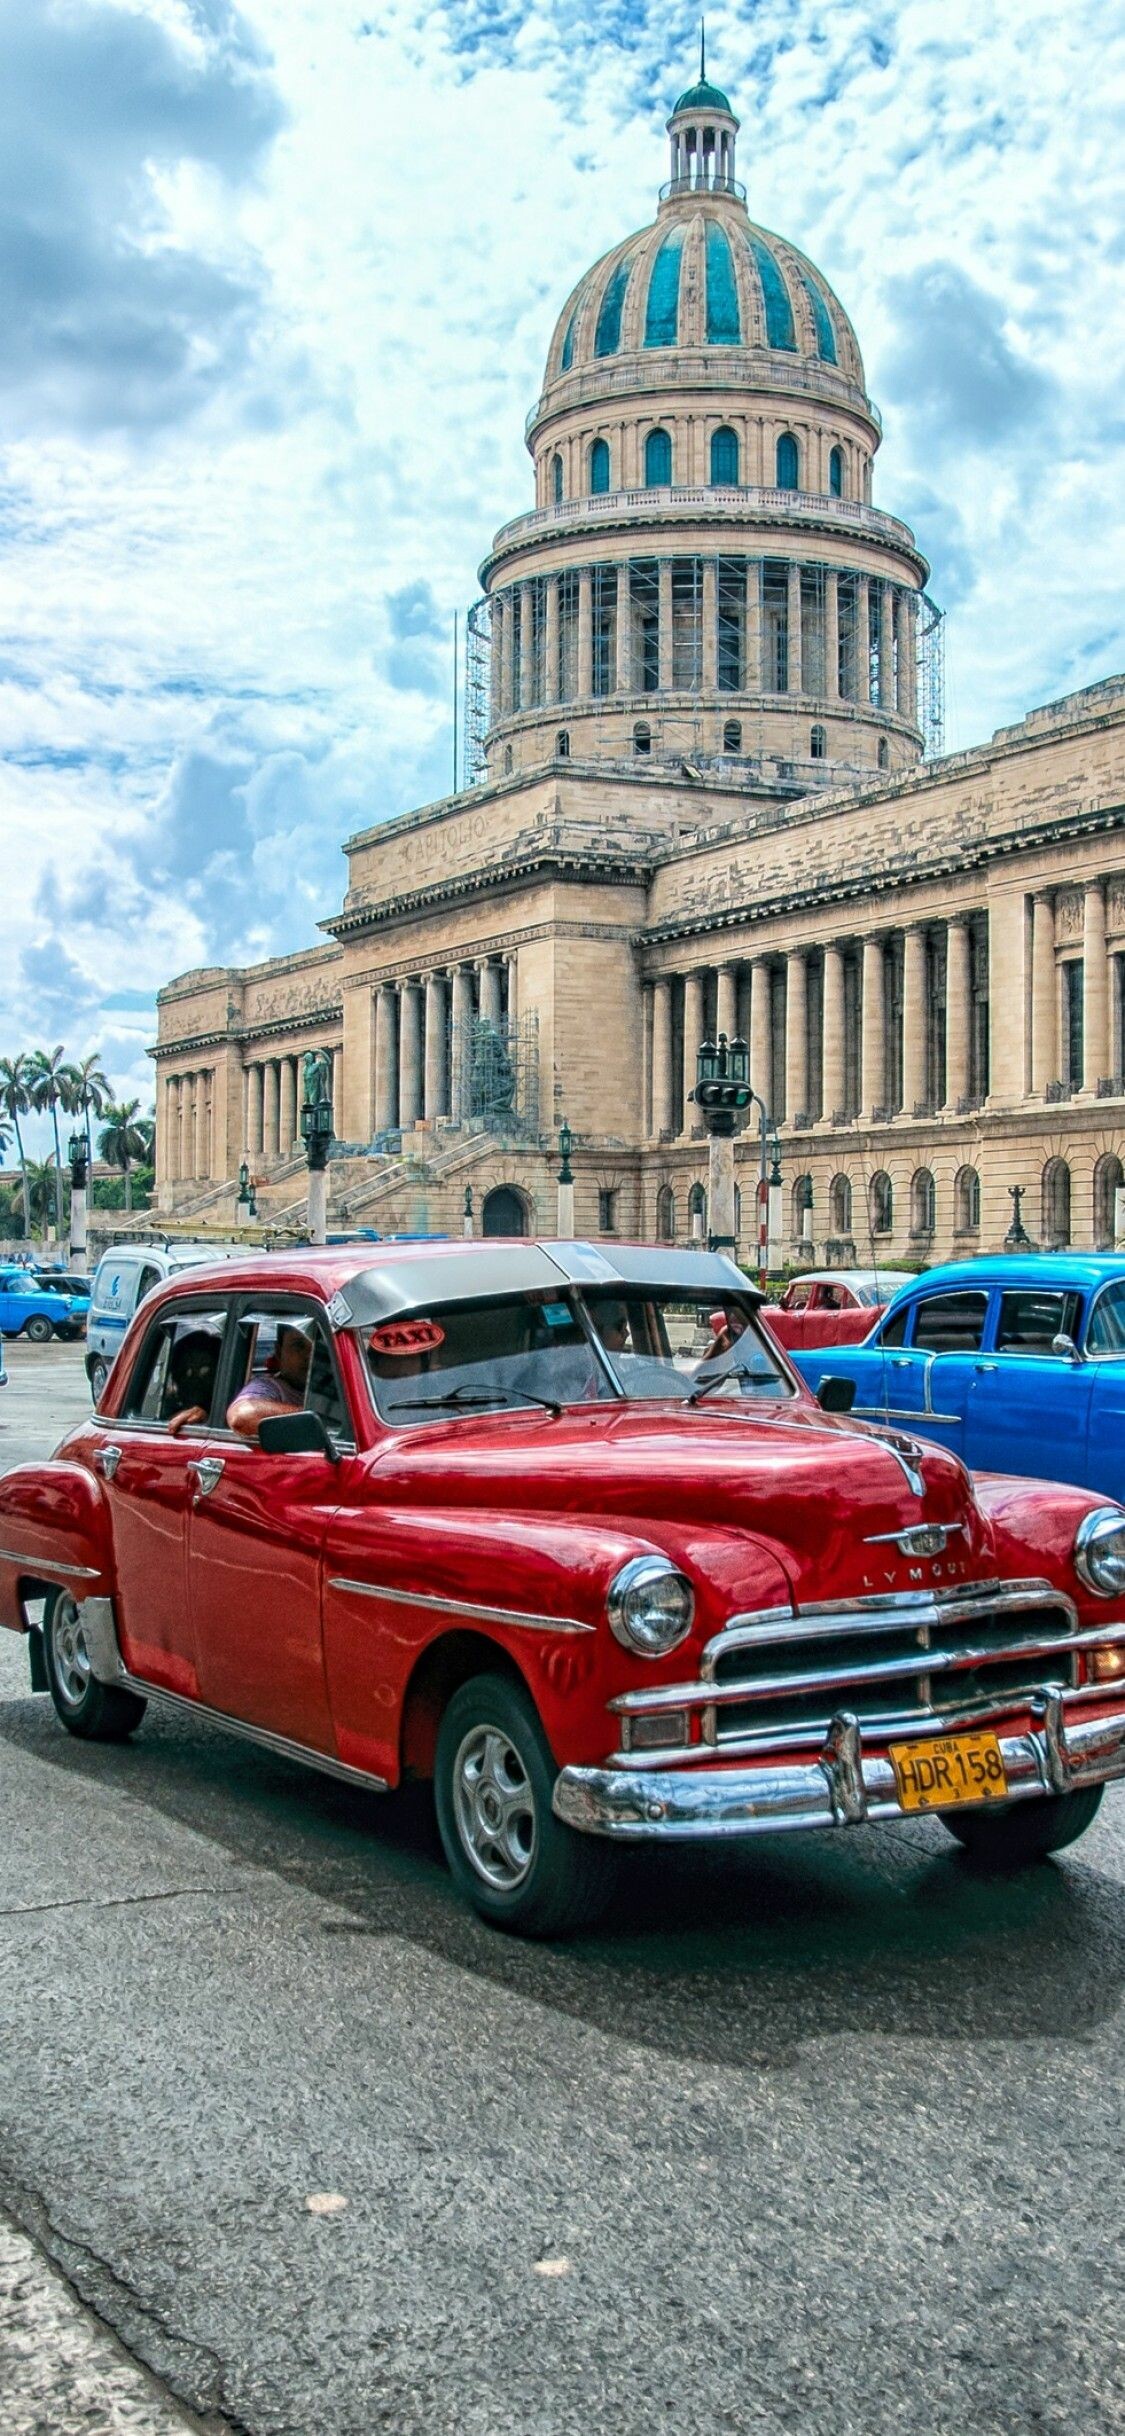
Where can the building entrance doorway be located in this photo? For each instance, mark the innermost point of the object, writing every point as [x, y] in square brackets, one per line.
[504, 1212]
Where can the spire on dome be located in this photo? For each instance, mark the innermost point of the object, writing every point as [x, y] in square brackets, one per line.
[702, 130]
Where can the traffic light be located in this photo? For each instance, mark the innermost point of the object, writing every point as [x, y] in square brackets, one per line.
[722, 1079]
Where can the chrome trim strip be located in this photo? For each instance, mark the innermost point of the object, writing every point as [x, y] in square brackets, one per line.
[460, 1607]
[896, 1412]
[922, 1661]
[839, 1788]
[911, 1724]
[50, 1564]
[279, 1744]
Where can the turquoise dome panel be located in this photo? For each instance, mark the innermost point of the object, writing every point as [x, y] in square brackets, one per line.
[607, 336]
[724, 323]
[825, 334]
[567, 357]
[662, 312]
[703, 96]
[779, 312]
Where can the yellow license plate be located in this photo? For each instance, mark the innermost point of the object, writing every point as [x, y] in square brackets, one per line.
[950, 1771]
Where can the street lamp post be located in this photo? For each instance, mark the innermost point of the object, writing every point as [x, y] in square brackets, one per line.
[722, 1093]
[776, 1215]
[78, 1154]
[1017, 1238]
[467, 1220]
[316, 1134]
[244, 1206]
[564, 1225]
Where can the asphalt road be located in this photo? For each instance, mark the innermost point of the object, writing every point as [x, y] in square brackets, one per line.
[825, 2138]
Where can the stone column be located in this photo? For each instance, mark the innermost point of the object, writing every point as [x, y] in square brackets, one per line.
[831, 635]
[693, 1034]
[270, 1109]
[753, 626]
[512, 967]
[902, 677]
[886, 648]
[181, 1127]
[796, 1035]
[287, 1106]
[874, 1045]
[527, 641]
[490, 1008]
[727, 1011]
[585, 633]
[386, 1059]
[761, 1041]
[958, 1012]
[914, 1019]
[833, 1064]
[623, 678]
[661, 1058]
[1044, 995]
[496, 659]
[254, 1112]
[863, 638]
[169, 1129]
[1096, 1060]
[409, 1053]
[462, 1038]
[664, 678]
[436, 1103]
[551, 642]
[710, 629]
[793, 626]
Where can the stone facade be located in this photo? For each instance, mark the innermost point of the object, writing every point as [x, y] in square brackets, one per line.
[703, 807]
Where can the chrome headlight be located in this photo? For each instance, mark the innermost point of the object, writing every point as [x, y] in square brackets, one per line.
[1099, 1552]
[650, 1606]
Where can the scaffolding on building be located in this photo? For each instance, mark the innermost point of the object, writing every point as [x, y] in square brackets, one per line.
[931, 652]
[495, 1067]
[478, 692]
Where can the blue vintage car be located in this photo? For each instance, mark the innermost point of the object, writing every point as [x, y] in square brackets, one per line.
[1015, 1363]
[39, 1307]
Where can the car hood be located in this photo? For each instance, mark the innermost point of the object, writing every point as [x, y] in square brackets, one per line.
[827, 1495]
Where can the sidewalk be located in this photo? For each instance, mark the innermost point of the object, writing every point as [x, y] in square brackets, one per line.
[61, 2373]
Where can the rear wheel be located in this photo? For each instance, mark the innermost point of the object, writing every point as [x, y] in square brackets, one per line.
[519, 1866]
[1025, 1831]
[96, 1712]
[98, 1372]
[39, 1329]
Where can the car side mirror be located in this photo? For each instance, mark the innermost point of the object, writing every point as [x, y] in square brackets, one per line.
[836, 1395]
[300, 1433]
[1066, 1347]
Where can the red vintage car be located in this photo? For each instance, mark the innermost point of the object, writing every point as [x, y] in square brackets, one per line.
[831, 1307]
[507, 1517]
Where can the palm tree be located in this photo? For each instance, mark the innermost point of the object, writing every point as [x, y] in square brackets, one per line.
[125, 1136]
[90, 1089]
[15, 1101]
[50, 1087]
[43, 1180]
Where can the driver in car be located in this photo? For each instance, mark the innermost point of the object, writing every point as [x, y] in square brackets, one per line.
[280, 1385]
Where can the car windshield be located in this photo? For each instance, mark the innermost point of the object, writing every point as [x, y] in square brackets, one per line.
[636, 1342]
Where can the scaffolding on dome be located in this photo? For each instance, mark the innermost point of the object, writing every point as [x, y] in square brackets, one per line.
[478, 692]
[931, 653]
[496, 1075]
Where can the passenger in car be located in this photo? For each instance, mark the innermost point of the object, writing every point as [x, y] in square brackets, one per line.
[190, 1385]
[280, 1385]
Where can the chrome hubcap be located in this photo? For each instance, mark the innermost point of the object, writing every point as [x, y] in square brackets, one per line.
[495, 1808]
[71, 1656]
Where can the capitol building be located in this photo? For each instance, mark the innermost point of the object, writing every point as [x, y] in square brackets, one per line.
[704, 792]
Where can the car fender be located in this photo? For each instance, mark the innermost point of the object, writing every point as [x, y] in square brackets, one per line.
[1034, 1524]
[54, 1528]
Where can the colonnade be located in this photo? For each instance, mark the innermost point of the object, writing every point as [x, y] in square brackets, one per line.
[188, 1125]
[272, 1106]
[728, 625]
[1076, 994]
[422, 1037]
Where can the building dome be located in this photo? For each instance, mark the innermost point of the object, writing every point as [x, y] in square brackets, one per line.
[703, 97]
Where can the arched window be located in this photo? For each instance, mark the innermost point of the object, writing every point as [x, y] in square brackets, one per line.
[658, 461]
[882, 1204]
[1109, 1179]
[666, 1215]
[788, 463]
[836, 473]
[802, 1208]
[818, 744]
[562, 744]
[1056, 1204]
[923, 1202]
[599, 467]
[507, 759]
[732, 735]
[840, 1205]
[642, 737]
[883, 756]
[556, 478]
[697, 1212]
[966, 1202]
[724, 455]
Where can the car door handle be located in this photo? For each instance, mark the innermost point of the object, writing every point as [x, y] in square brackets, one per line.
[901, 1361]
[986, 1365]
[208, 1471]
[106, 1459]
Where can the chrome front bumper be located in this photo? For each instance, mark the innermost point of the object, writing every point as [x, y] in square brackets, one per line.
[843, 1787]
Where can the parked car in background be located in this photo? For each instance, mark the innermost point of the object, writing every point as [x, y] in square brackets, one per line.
[30, 1308]
[1016, 1364]
[124, 1275]
[830, 1306]
[479, 1513]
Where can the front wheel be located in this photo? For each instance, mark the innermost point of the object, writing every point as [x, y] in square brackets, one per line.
[38, 1329]
[95, 1712]
[519, 1866]
[1025, 1831]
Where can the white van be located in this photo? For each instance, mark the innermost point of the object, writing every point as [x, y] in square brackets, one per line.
[124, 1275]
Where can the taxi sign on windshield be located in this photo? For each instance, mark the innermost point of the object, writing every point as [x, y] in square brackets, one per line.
[398, 1337]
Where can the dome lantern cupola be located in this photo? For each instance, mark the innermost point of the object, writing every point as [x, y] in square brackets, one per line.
[701, 131]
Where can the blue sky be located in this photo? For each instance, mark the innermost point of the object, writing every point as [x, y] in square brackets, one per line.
[276, 285]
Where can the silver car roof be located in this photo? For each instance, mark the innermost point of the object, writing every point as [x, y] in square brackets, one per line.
[473, 1272]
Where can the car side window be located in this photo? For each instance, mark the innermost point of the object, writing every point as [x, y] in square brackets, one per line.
[1030, 1320]
[283, 1362]
[1106, 1332]
[148, 1278]
[950, 1323]
[176, 1370]
[894, 1329]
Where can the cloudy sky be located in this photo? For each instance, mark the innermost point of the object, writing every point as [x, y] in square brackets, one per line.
[276, 284]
